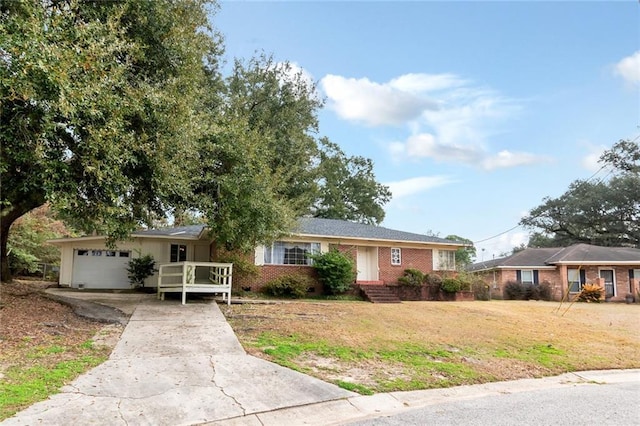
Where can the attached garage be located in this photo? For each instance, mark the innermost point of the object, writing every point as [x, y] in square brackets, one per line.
[100, 268]
[87, 262]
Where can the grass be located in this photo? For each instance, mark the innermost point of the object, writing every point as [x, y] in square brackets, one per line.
[371, 348]
[43, 374]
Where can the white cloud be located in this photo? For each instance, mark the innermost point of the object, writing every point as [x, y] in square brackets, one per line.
[505, 159]
[590, 161]
[425, 145]
[629, 68]
[373, 103]
[426, 82]
[407, 187]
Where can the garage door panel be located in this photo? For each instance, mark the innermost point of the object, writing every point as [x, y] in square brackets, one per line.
[102, 269]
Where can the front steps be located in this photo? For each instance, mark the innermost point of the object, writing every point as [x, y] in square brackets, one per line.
[379, 294]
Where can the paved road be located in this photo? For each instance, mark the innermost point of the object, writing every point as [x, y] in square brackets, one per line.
[586, 404]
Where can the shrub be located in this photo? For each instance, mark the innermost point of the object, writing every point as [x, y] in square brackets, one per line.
[243, 270]
[481, 290]
[294, 286]
[451, 284]
[412, 277]
[139, 269]
[513, 290]
[336, 271]
[591, 293]
[544, 291]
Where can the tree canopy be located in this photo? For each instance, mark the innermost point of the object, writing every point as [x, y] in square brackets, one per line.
[603, 212]
[116, 113]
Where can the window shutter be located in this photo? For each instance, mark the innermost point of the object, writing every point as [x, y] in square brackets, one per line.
[519, 275]
[583, 276]
[259, 255]
[535, 277]
[630, 274]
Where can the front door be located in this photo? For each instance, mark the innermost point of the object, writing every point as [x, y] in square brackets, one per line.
[609, 288]
[367, 263]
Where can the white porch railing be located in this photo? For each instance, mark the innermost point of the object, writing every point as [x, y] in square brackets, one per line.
[195, 277]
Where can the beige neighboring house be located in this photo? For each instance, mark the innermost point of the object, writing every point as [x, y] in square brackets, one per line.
[381, 254]
[567, 269]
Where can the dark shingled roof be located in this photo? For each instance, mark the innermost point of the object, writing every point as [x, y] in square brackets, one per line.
[526, 257]
[532, 257]
[342, 228]
[589, 253]
[316, 227]
[190, 231]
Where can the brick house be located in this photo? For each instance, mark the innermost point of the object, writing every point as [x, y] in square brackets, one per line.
[566, 269]
[381, 255]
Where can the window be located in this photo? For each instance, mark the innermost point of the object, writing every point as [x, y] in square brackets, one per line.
[96, 252]
[396, 256]
[124, 254]
[526, 276]
[110, 253]
[446, 260]
[178, 253]
[83, 252]
[576, 279]
[287, 253]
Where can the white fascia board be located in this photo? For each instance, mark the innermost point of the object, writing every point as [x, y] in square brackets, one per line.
[600, 263]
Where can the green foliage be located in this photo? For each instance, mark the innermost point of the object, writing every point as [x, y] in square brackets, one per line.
[101, 109]
[139, 269]
[348, 189]
[293, 286]
[27, 245]
[243, 268]
[412, 277]
[452, 284]
[591, 293]
[336, 271]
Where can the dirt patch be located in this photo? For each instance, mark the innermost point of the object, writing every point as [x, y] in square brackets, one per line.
[30, 322]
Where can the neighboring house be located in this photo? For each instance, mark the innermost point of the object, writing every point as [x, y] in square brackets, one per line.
[381, 254]
[617, 269]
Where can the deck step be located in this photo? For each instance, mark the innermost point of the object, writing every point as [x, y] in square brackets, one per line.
[379, 294]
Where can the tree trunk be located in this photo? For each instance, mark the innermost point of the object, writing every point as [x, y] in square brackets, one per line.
[8, 216]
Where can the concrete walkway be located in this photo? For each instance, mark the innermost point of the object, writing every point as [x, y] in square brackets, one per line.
[183, 365]
[177, 365]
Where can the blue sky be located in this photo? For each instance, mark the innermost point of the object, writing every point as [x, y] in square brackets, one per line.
[472, 112]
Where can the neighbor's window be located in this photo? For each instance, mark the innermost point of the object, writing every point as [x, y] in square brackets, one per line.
[178, 253]
[446, 260]
[526, 276]
[396, 256]
[573, 276]
[287, 253]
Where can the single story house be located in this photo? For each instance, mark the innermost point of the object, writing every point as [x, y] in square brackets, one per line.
[381, 254]
[566, 269]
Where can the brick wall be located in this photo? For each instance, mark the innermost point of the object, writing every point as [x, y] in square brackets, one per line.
[421, 259]
[558, 283]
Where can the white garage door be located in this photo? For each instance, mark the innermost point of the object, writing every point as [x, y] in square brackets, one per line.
[105, 269]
